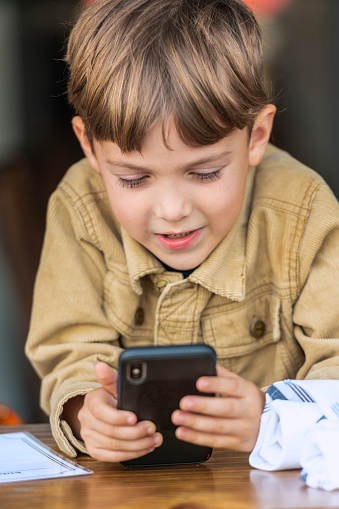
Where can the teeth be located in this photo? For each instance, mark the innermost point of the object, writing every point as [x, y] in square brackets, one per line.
[176, 235]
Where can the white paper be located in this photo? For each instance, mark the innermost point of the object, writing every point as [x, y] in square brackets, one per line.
[23, 458]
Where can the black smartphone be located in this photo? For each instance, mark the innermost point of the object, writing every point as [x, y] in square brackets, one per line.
[151, 382]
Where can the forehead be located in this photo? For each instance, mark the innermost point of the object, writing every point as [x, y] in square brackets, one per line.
[172, 151]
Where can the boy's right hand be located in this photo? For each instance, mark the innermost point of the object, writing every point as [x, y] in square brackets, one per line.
[111, 434]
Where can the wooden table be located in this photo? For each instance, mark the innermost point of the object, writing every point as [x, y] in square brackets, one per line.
[226, 481]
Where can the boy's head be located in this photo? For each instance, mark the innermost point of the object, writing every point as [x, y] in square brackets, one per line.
[134, 63]
[172, 110]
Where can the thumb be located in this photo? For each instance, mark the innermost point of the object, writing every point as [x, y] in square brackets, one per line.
[107, 377]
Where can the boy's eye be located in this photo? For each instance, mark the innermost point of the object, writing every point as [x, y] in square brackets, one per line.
[136, 182]
[213, 175]
[132, 182]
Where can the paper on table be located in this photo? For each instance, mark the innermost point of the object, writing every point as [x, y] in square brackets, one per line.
[23, 457]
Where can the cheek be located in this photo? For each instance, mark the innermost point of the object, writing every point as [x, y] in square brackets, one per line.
[228, 197]
[130, 212]
[226, 205]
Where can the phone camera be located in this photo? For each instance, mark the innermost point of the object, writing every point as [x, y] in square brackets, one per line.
[136, 371]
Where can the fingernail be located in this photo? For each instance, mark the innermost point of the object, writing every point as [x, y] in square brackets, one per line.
[157, 440]
[180, 432]
[188, 404]
[203, 383]
[150, 430]
[130, 419]
[179, 418]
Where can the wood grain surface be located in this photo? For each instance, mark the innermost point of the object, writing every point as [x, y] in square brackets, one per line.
[226, 481]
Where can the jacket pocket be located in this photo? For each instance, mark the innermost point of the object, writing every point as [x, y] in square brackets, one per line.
[248, 339]
[238, 329]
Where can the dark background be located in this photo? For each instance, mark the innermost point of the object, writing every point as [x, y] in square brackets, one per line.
[37, 144]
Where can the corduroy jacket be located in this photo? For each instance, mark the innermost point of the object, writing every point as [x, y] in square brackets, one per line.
[267, 298]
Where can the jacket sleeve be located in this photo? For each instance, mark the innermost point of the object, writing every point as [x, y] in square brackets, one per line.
[69, 331]
[316, 312]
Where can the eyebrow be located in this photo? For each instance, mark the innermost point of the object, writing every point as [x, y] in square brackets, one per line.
[198, 162]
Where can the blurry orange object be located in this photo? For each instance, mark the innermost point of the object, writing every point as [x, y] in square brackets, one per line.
[8, 417]
[267, 7]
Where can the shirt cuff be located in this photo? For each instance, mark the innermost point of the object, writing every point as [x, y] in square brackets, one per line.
[61, 430]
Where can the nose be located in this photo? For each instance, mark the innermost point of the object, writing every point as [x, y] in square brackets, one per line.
[172, 203]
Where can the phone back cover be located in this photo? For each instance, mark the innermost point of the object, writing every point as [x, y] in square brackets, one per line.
[171, 374]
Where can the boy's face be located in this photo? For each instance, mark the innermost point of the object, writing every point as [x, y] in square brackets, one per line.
[177, 201]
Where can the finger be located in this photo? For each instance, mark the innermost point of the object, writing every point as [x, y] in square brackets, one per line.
[205, 423]
[116, 450]
[226, 441]
[217, 407]
[93, 438]
[99, 406]
[140, 431]
[121, 431]
[107, 377]
[228, 385]
[239, 404]
[108, 455]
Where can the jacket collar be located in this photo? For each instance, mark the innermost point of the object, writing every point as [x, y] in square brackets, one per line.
[222, 273]
[140, 261]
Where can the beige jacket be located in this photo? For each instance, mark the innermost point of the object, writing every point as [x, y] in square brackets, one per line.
[267, 298]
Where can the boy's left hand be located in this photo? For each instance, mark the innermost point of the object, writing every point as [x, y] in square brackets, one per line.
[229, 421]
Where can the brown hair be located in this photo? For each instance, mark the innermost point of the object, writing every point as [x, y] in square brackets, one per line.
[136, 62]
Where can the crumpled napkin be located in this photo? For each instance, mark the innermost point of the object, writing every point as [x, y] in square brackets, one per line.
[320, 456]
[300, 429]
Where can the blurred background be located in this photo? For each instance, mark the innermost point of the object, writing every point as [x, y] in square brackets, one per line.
[37, 144]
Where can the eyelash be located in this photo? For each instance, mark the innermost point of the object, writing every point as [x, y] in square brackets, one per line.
[204, 177]
[131, 183]
[209, 177]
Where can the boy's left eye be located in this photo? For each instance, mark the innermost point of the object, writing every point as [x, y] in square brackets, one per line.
[132, 182]
[212, 175]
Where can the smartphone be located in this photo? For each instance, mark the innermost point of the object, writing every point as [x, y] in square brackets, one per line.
[151, 382]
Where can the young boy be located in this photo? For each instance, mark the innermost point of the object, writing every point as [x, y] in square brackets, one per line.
[181, 225]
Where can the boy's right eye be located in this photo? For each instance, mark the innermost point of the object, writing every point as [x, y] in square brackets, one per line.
[136, 182]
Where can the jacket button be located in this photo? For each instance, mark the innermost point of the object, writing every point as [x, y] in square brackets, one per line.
[258, 329]
[139, 316]
[161, 284]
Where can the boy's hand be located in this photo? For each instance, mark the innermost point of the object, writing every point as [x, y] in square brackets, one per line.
[230, 420]
[111, 434]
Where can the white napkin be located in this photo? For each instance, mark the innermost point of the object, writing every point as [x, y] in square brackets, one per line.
[300, 429]
[320, 456]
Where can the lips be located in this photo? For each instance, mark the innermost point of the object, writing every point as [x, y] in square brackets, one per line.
[179, 241]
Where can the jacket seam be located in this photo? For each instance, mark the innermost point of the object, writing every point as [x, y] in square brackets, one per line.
[309, 195]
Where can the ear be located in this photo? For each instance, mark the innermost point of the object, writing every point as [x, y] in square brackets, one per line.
[80, 132]
[260, 134]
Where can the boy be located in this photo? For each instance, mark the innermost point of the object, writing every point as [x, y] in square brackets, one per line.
[182, 225]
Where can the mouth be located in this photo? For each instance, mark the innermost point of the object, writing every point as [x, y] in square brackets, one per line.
[179, 241]
[177, 235]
